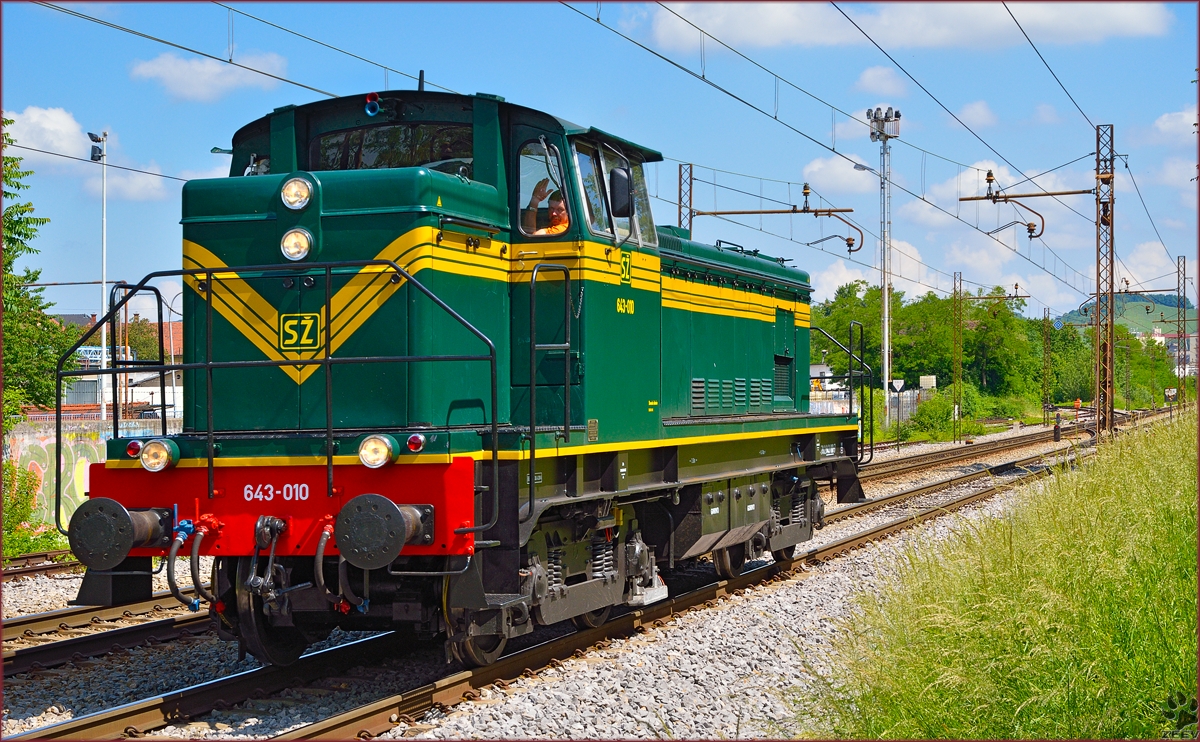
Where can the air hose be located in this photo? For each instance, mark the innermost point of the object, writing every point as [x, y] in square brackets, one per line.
[344, 586]
[182, 531]
[195, 565]
[319, 566]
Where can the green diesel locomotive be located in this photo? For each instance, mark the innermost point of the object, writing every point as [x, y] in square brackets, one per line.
[444, 374]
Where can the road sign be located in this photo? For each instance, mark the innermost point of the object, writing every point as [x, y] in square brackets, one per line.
[1169, 393]
[897, 385]
[1058, 324]
[929, 382]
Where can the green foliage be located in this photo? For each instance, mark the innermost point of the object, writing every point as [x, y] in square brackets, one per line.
[33, 340]
[1071, 616]
[1002, 351]
[20, 488]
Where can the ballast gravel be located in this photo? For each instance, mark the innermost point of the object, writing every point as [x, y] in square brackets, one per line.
[41, 593]
[736, 670]
[740, 669]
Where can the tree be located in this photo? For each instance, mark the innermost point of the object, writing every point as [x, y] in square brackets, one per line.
[33, 340]
[139, 334]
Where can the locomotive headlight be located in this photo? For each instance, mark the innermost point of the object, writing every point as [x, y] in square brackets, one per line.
[376, 450]
[296, 193]
[159, 454]
[296, 244]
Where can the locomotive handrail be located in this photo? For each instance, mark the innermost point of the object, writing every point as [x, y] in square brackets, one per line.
[534, 347]
[850, 373]
[326, 361]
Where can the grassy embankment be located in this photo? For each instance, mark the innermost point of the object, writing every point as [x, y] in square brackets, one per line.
[1074, 616]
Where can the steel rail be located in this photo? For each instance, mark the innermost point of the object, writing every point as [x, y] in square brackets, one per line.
[372, 719]
[381, 716]
[53, 652]
[866, 506]
[45, 568]
[923, 460]
[85, 615]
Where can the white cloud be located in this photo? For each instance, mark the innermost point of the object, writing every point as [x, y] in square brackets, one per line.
[881, 81]
[1178, 126]
[826, 282]
[836, 175]
[51, 129]
[131, 186]
[1046, 114]
[1149, 261]
[908, 25]
[206, 80]
[977, 114]
[145, 305]
[1177, 173]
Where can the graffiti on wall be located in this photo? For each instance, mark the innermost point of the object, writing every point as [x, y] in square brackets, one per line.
[31, 446]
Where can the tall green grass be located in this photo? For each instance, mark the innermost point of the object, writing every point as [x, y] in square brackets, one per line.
[1073, 616]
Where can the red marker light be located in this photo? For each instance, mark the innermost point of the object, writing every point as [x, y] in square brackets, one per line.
[372, 97]
[219, 607]
[134, 449]
[416, 442]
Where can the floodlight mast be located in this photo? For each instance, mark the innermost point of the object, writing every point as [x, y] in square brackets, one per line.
[885, 126]
[100, 154]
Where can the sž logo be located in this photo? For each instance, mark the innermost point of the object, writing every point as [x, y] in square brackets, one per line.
[299, 331]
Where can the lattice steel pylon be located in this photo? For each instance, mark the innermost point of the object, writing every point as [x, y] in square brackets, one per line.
[1181, 362]
[1105, 203]
[685, 196]
[956, 353]
[1047, 367]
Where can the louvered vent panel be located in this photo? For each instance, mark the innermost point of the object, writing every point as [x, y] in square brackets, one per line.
[739, 393]
[713, 398]
[755, 393]
[697, 395]
[783, 376]
[726, 393]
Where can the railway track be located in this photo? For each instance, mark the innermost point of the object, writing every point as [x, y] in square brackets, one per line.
[907, 464]
[40, 563]
[178, 707]
[45, 640]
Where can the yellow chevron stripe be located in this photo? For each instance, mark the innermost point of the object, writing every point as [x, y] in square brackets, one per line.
[358, 299]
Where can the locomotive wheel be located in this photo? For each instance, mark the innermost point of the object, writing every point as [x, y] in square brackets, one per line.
[730, 560]
[272, 645]
[592, 619]
[784, 554]
[480, 651]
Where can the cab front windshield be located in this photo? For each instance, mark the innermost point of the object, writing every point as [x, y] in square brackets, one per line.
[437, 146]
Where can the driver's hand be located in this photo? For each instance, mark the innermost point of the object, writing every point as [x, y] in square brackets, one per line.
[540, 191]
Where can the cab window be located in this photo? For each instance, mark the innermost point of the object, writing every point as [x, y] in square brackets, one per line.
[641, 206]
[593, 188]
[610, 161]
[438, 146]
[542, 199]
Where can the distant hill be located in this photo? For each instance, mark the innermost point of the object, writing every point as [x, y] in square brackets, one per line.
[1131, 312]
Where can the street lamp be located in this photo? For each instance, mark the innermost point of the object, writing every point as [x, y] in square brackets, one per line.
[100, 155]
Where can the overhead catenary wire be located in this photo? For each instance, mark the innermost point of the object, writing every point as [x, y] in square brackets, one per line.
[372, 62]
[942, 106]
[1035, 49]
[794, 86]
[1125, 159]
[93, 162]
[826, 147]
[181, 47]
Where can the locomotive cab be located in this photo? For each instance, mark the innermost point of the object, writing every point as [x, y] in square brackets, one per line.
[444, 374]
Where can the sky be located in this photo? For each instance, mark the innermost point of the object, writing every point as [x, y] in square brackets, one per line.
[760, 97]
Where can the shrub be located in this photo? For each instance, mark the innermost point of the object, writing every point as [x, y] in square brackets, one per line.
[20, 488]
